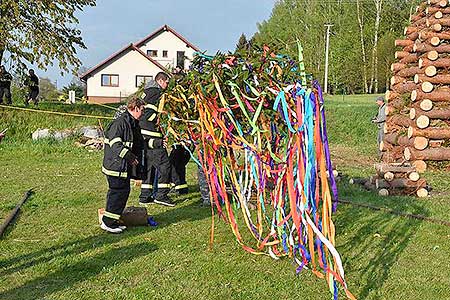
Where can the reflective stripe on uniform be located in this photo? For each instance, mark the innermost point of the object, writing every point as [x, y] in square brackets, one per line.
[123, 152]
[151, 133]
[164, 185]
[111, 215]
[117, 140]
[146, 186]
[114, 173]
[181, 186]
[113, 141]
[150, 143]
[152, 117]
[152, 106]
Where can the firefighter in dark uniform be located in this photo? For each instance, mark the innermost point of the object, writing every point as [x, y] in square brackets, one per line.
[157, 159]
[32, 82]
[179, 157]
[5, 85]
[121, 138]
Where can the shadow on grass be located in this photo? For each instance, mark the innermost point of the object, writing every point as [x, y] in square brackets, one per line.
[70, 273]
[374, 240]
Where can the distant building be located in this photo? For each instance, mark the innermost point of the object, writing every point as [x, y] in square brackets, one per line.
[122, 73]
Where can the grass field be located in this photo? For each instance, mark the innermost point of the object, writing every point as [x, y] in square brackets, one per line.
[56, 250]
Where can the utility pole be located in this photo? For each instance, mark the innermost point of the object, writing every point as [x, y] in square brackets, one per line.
[328, 26]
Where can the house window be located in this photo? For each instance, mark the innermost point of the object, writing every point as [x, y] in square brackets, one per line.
[142, 79]
[180, 59]
[110, 80]
[165, 53]
[152, 53]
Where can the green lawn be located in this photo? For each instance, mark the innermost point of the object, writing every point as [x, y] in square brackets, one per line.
[56, 250]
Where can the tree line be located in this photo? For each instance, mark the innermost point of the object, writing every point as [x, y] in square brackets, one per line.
[361, 38]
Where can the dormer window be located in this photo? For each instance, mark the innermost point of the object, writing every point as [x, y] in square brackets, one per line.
[152, 53]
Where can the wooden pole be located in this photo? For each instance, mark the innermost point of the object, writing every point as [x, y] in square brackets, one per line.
[15, 211]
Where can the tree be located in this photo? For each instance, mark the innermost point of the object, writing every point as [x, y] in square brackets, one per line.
[47, 89]
[242, 43]
[39, 32]
[361, 28]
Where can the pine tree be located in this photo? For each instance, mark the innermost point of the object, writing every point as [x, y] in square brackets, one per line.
[242, 43]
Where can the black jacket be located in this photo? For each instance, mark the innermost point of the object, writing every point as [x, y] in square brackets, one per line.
[123, 142]
[148, 122]
[5, 80]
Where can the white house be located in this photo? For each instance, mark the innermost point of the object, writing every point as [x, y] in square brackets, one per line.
[122, 73]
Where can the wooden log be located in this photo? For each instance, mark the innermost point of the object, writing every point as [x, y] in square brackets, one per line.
[431, 133]
[433, 55]
[383, 168]
[360, 181]
[436, 143]
[401, 54]
[14, 212]
[395, 67]
[404, 87]
[424, 35]
[431, 21]
[423, 47]
[436, 154]
[388, 176]
[441, 94]
[399, 120]
[397, 79]
[391, 95]
[443, 114]
[425, 105]
[438, 63]
[399, 183]
[397, 139]
[427, 87]
[423, 122]
[413, 176]
[440, 3]
[422, 193]
[420, 142]
[412, 36]
[410, 59]
[438, 79]
[409, 72]
[430, 71]
[420, 166]
[383, 192]
[432, 10]
[438, 15]
[410, 29]
[403, 43]
[436, 27]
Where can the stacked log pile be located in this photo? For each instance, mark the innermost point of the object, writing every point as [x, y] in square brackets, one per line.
[417, 128]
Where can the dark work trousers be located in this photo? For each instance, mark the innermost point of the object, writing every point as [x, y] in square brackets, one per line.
[5, 91]
[157, 164]
[116, 198]
[32, 95]
[179, 157]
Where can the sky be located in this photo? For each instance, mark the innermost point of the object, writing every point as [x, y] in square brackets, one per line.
[211, 25]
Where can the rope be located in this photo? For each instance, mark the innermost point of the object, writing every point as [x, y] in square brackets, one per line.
[56, 113]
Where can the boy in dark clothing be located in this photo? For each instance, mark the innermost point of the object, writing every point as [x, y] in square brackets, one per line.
[32, 82]
[5, 85]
